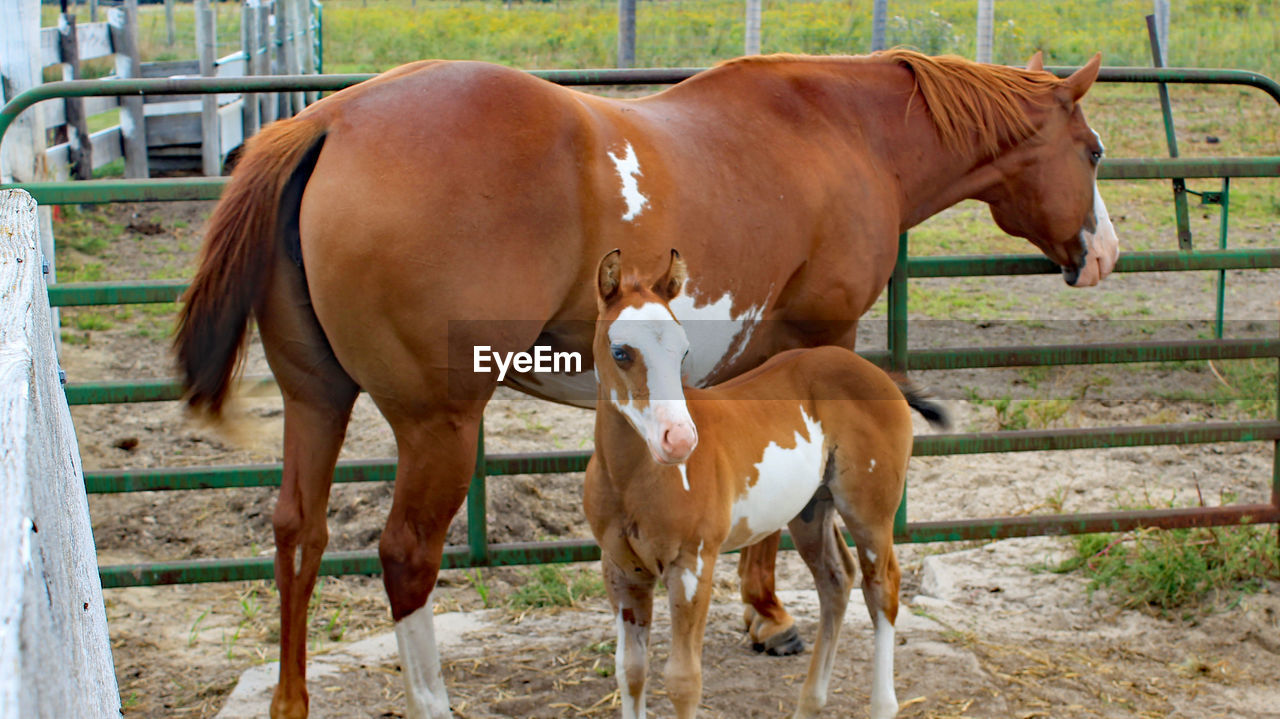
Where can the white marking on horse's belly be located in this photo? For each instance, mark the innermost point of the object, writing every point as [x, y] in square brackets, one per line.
[424, 683]
[715, 334]
[628, 167]
[786, 481]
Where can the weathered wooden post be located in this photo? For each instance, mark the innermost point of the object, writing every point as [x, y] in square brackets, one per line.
[268, 103]
[626, 33]
[751, 46]
[54, 649]
[986, 18]
[207, 49]
[123, 22]
[79, 147]
[169, 26]
[1161, 11]
[249, 42]
[879, 9]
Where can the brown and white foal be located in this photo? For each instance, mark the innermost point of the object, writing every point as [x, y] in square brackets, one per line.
[808, 434]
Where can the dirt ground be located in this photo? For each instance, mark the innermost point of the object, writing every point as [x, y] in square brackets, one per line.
[984, 631]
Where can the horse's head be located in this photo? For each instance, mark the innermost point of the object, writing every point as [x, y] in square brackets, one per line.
[1047, 191]
[638, 349]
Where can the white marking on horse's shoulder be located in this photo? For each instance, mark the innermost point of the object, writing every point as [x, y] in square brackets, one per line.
[628, 168]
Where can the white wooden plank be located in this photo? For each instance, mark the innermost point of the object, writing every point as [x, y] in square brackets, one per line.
[231, 126]
[49, 52]
[94, 39]
[98, 105]
[106, 149]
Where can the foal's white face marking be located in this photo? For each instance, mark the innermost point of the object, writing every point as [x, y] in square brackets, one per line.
[628, 168]
[718, 335]
[786, 481]
[655, 336]
[424, 682]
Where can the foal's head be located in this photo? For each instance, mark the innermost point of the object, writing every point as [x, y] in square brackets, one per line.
[638, 349]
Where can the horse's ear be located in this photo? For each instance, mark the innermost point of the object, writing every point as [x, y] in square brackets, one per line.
[1081, 80]
[673, 281]
[1036, 63]
[608, 276]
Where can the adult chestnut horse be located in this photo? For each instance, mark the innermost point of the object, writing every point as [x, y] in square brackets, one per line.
[450, 205]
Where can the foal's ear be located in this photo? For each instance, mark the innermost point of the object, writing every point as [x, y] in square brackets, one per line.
[1036, 63]
[1081, 80]
[669, 286]
[608, 276]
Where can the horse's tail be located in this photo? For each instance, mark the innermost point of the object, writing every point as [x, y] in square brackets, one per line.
[238, 256]
[918, 398]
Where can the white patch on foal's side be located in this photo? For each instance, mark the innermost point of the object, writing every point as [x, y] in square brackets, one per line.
[713, 332]
[786, 481]
[423, 680]
[628, 167]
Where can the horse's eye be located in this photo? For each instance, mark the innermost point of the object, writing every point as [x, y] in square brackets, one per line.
[620, 354]
[1096, 156]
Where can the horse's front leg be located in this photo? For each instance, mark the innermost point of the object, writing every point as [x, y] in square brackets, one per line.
[689, 581]
[631, 594]
[771, 628]
[436, 458]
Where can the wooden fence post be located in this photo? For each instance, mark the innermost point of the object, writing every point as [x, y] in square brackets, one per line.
[626, 33]
[268, 103]
[170, 30]
[752, 35]
[133, 131]
[986, 18]
[249, 42]
[285, 58]
[206, 49]
[79, 147]
[879, 9]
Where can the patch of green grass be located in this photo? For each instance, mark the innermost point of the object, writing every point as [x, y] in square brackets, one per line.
[1015, 414]
[1249, 385]
[89, 320]
[1177, 572]
[553, 586]
[87, 272]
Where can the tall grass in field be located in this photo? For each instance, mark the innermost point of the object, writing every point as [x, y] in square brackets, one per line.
[373, 36]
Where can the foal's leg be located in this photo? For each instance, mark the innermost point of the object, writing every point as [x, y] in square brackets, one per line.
[880, 580]
[772, 629]
[437, 456]
[632, 599]
[823, 549]
[689, 582]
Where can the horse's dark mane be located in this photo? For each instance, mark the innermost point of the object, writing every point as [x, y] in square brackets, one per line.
[964, 98]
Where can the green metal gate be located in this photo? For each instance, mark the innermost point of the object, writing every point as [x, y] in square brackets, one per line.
[479, 552]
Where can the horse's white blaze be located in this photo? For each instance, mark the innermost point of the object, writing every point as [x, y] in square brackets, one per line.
[786, 481]
[424, 682]
[653, 333]
[628, 167]
[1102, 246]
[884, 701]
[718, 336]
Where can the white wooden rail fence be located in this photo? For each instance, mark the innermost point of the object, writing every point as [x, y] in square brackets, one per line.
[55, 658]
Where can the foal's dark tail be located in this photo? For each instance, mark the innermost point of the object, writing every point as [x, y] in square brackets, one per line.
[918, 399]
[237, 259]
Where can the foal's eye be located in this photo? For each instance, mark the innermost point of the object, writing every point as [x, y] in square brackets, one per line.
[1096, 156]
[620, 354]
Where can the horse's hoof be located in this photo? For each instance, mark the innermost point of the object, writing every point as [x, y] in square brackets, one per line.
[782, 644]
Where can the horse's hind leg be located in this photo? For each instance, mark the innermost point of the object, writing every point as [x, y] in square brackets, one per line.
[771, 628]
[823, 549]
[318, 396]
[437, 456]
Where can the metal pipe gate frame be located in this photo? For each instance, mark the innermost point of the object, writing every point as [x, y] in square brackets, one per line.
[480, 553]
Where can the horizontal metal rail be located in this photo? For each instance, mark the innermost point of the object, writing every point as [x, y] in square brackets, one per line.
[82, 294]
[585, 550]
[168, 390]
[384, 470]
